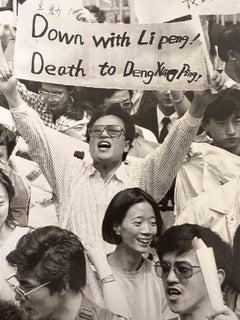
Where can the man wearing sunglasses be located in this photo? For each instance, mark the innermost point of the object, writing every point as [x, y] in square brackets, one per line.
[182, 278]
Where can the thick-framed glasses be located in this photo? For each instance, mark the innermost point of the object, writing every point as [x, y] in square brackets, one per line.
[14, 284]
[182, 269]
[54, 95]
[114, 131]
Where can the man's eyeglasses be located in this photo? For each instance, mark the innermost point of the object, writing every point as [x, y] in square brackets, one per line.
[127, 105]
[14, 284]
[55, 96]
[114, 131]
[182, 269]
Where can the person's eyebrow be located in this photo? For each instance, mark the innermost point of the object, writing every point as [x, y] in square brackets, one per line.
[23, 282]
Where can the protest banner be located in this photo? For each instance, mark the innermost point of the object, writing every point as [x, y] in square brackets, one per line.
[165, 10]
[54, 7]
[65, 51]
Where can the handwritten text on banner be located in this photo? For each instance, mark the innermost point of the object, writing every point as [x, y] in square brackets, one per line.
[165, 10]
[137, 56]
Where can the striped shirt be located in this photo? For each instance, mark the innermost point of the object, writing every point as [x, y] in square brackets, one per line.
[82, 193]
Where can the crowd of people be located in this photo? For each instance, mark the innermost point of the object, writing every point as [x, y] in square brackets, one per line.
[103, 191]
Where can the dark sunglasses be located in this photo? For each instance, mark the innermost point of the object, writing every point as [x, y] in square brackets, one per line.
[114, 131]
[182, 269]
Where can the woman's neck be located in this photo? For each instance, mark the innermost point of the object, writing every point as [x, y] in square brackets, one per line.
[124, 259]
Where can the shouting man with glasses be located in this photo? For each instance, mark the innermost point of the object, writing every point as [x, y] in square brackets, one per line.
[85, 189]
[182, 278]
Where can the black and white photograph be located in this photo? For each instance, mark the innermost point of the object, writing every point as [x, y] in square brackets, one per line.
[119, 159]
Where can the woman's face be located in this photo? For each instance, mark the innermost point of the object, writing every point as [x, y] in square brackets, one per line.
[4, 204]
[138, 228]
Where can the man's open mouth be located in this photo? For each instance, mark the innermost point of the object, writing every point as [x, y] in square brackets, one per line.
[104, 145]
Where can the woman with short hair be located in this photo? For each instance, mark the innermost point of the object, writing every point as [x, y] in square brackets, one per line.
[133, 222]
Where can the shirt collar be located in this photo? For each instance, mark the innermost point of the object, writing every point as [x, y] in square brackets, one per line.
[224, 198]
[120, 173]
[160, 116]
[229, 82]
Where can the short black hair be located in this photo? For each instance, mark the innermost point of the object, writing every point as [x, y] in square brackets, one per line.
[96, 96]
[229, 40]
[99, 14]
[179, 239]
[114, 110]
[7, 138]
[119, 205]
[53, 254]
[223, 106]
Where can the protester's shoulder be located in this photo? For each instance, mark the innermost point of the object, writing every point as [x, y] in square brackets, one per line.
[90, 310]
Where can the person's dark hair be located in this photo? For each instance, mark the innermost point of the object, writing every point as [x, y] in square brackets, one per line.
[179, 239]
[7, 138]
[223, 106]
[118, 207]
[53, 254]
[234, 279]
[6, 182]
[96, 96]
[10, 311]
[229, 40]
[114, 110]
[99, 14]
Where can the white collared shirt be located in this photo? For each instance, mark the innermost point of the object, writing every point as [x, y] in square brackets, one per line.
[173, 117]
[217, 209]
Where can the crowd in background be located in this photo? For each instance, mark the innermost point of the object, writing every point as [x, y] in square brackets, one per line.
[102, 192]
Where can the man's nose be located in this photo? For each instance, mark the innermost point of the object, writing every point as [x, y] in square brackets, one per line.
[172, 278]
[19, 297]
[167, 93]
[146, 228]
[49, 97]
[231, 129]
[104, 133]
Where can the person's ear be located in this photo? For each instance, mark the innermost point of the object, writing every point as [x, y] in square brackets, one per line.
[117, 229]
[231, 55]
[221, 276]
[65, 286]
[127, 146]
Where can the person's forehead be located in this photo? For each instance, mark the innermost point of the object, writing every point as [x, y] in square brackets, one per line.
[189, 256]
[109, 120]
[120, 95]
[140, 209]
[53, 87]
[235, 115]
